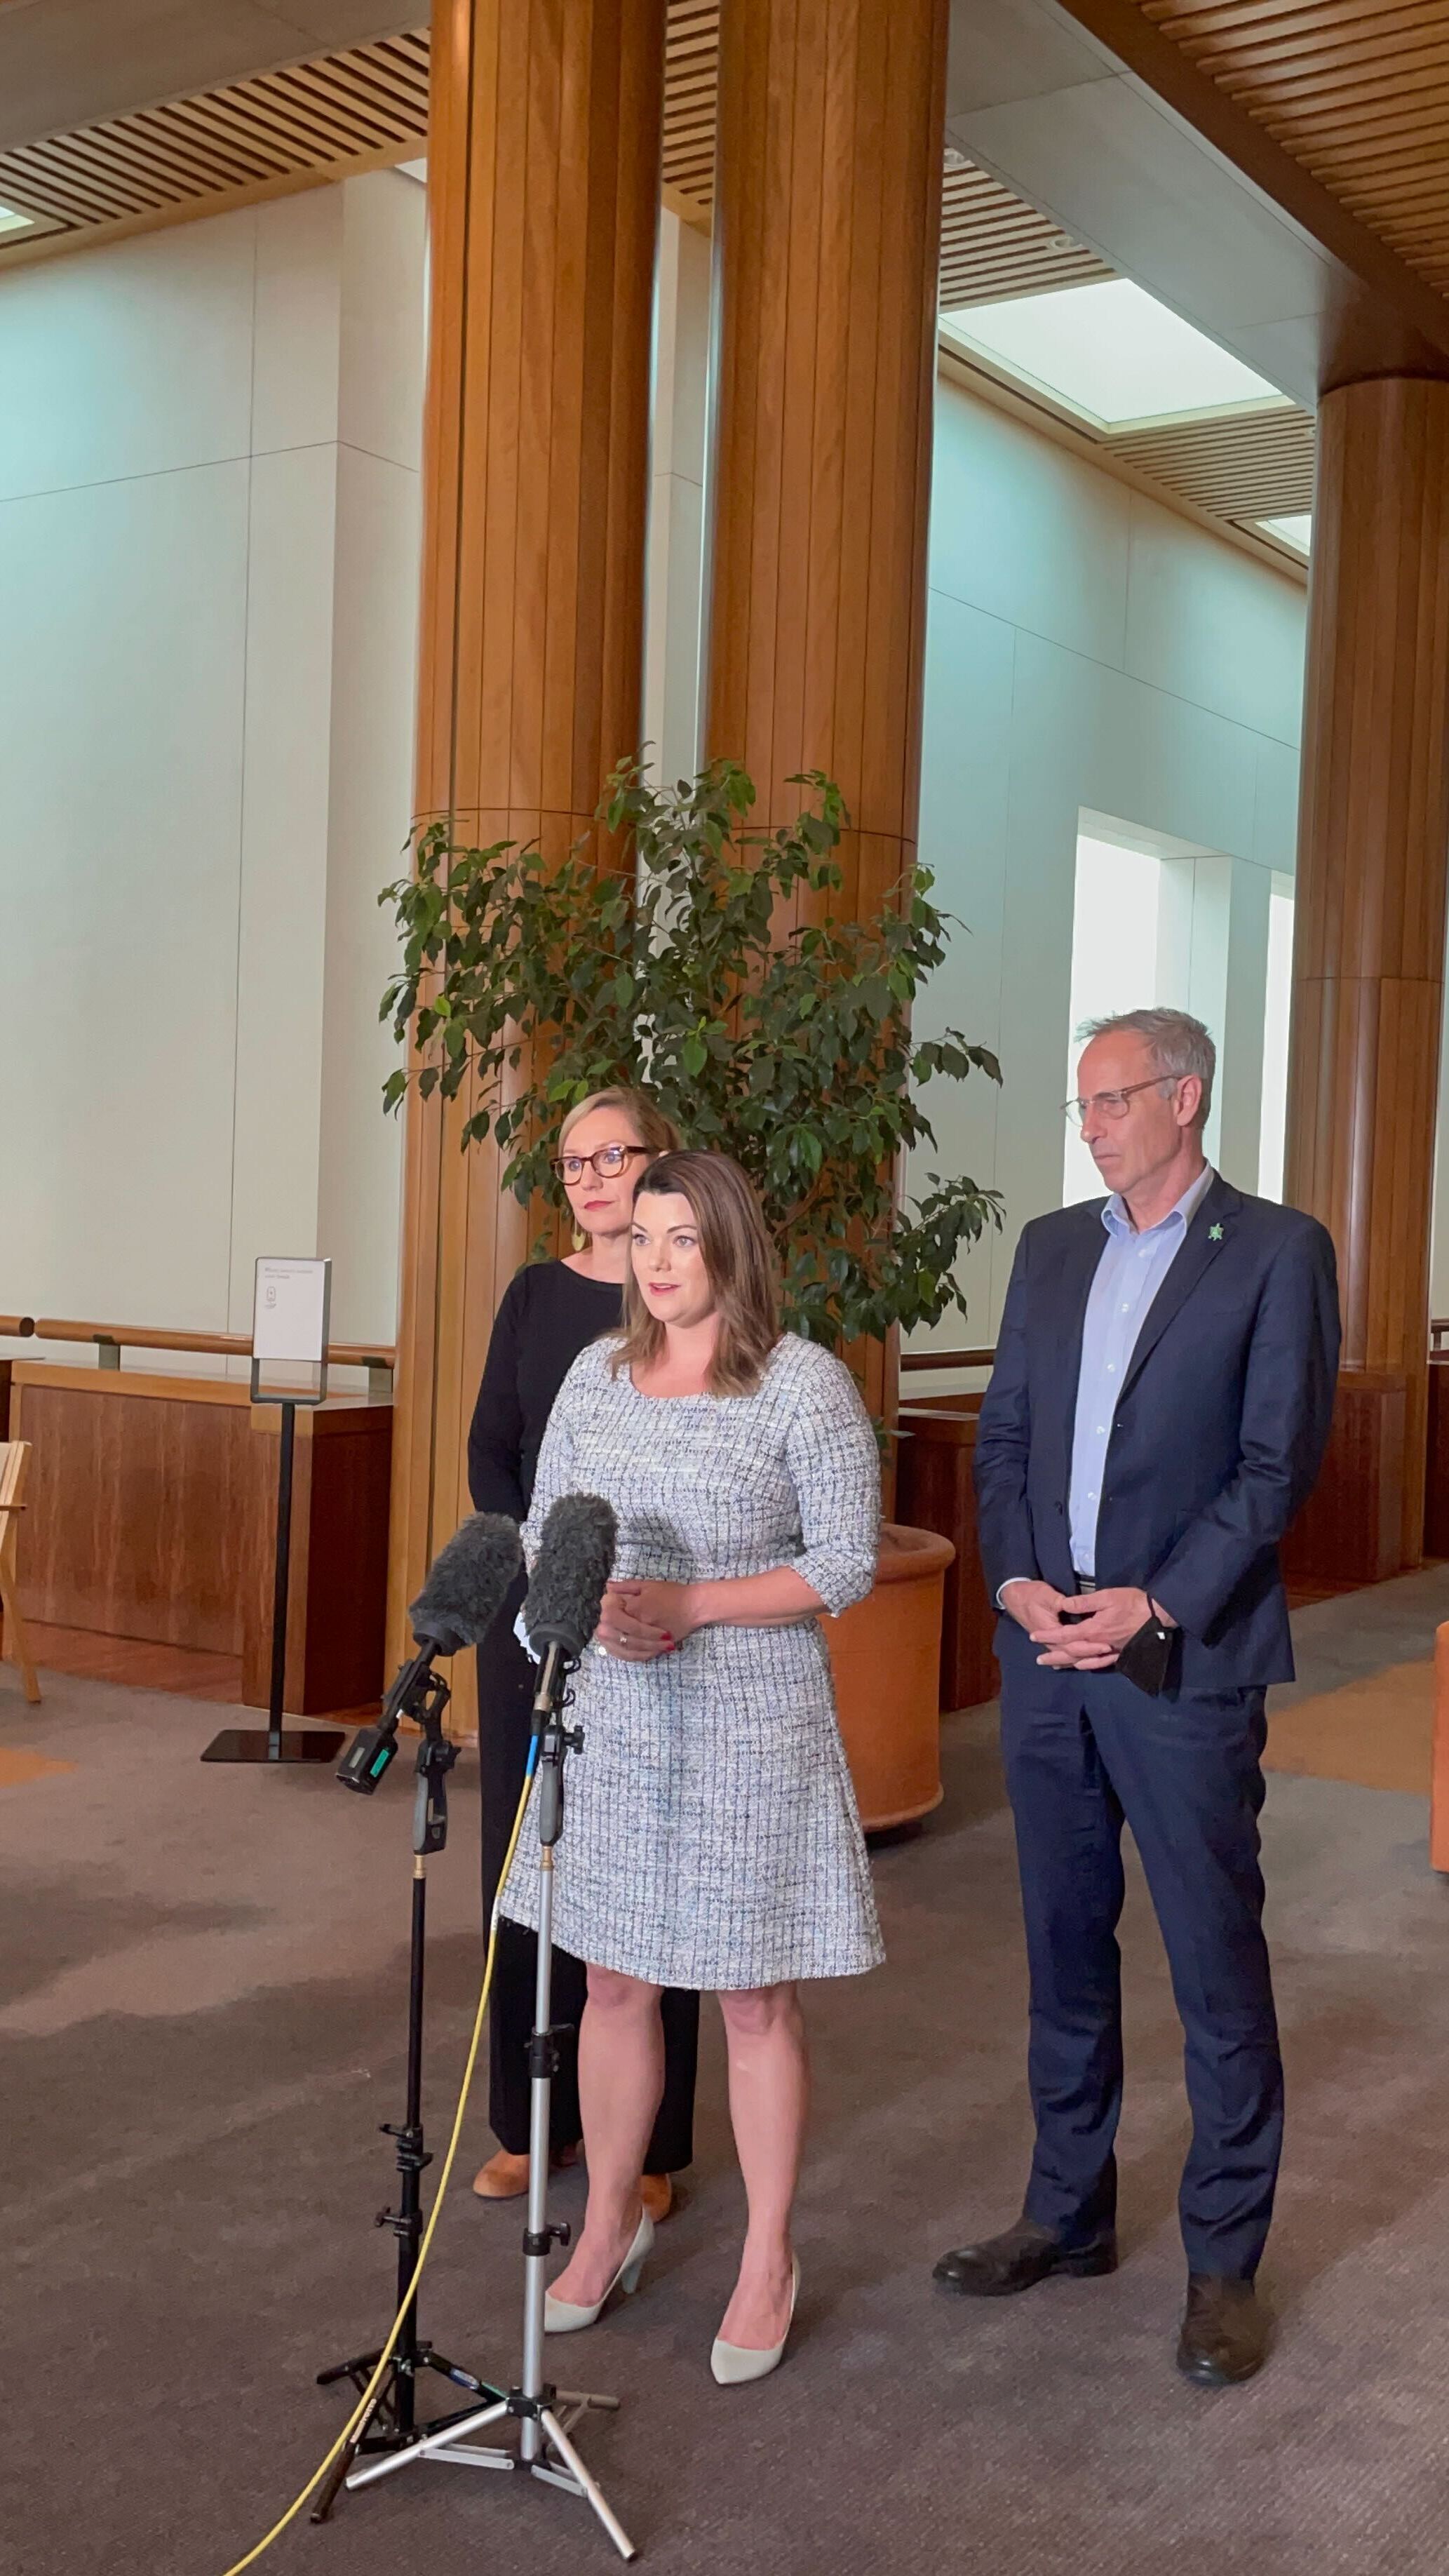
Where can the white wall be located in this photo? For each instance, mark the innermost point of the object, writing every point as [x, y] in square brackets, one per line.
[208, 552]
[1087, 652]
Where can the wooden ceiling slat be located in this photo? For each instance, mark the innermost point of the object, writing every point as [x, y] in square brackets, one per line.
[94, 199]
[164, 145]
[1334, 35]
[251, 124]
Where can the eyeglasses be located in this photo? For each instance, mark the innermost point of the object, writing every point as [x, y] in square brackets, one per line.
[1113, 1104]
[606, 1165]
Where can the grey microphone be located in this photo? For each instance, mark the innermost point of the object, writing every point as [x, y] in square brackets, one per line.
[466, 1584]
[560, 1614]
[464, 1592]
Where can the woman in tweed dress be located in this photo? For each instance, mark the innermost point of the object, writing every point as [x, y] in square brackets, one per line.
[711, 1838]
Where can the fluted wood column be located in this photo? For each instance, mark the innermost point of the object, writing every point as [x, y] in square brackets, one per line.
[1373, 846]
[543, 207]
[828, 217]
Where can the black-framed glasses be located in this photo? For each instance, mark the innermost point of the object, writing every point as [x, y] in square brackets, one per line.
[606, 1165]
[1113, 1104]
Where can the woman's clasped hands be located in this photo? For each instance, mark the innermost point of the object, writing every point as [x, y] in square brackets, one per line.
[642, 1620]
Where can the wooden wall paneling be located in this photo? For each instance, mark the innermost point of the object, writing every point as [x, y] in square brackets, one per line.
[151, 1516]
[935, 1491]
[1436, 1477]
[140, 1508]
[1350, 1530]
[543, 208]
[336, 1611]
[1373, 853]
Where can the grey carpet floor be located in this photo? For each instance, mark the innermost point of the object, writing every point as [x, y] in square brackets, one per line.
[203, 1988]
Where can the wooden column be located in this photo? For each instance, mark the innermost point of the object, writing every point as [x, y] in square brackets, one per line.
[827, 224]
[1368, 961]
[543, 205]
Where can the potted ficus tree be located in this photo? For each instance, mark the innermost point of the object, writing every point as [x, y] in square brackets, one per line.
[788, 1047]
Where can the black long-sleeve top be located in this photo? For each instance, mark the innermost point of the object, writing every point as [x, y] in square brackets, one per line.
[549, 1314]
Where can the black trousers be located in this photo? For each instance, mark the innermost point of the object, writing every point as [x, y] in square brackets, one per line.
[505, 1707]
[1085, 1752]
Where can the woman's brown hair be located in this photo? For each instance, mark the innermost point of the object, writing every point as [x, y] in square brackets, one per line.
[739, 1259]
[637, 1105]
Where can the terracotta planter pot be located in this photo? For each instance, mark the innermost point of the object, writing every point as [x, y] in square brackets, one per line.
[886, 1658]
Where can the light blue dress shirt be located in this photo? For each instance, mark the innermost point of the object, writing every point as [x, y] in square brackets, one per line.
[1127, 1278]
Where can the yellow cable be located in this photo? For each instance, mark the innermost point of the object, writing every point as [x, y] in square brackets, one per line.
[385, 2356]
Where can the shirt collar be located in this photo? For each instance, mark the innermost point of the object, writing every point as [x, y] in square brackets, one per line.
[1117, 1221]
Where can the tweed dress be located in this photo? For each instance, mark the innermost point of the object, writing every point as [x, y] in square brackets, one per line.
[711, 1837]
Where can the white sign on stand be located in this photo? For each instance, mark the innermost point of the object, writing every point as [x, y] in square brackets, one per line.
[290, 1319]
[290, 1312]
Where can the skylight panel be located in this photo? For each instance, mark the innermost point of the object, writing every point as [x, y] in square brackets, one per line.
[1112, 354]
[1296, 530]
[12, 221]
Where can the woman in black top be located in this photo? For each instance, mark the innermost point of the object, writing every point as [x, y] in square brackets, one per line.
[552, 1311]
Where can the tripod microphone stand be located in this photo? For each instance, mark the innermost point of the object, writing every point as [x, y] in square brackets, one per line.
[389, 2427]
[545, 2416]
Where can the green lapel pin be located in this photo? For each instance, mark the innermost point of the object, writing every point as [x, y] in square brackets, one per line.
[1215, 1234]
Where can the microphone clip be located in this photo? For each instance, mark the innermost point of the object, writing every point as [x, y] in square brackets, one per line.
[421, 1694]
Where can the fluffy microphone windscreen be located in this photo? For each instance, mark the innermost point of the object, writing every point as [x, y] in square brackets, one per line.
[466, 1583]
[575, 1561]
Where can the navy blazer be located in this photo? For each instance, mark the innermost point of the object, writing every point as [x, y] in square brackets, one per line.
[1218, 1435]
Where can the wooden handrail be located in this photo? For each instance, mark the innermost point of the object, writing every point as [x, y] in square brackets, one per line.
[946, 1359]
[150, 1337]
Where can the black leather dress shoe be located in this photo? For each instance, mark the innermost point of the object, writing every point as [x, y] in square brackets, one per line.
[1224, 2336]
[1020, 2257]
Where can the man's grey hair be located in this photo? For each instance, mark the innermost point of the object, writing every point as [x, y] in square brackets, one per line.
[1176, 1042]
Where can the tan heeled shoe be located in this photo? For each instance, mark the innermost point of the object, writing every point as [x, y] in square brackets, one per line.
[657, 2193]
[505, 2177]
[562, 2316]
[733, 2364]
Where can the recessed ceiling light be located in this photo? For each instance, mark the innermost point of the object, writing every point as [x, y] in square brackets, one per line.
[1295, 531]
[1112, 354]
[12, 221]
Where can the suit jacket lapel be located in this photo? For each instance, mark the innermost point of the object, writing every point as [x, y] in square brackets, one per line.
[1078, 1272]
[1207, 1236]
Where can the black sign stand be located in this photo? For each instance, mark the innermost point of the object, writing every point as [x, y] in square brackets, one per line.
[293, 1743]
[278, 1744]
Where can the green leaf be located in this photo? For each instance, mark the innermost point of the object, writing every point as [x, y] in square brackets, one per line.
[659, 947]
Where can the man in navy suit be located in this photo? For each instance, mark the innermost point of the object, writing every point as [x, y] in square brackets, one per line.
[1158, 1411]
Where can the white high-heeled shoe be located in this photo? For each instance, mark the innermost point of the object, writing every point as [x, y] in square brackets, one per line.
[735, 2363]
[560, 2316]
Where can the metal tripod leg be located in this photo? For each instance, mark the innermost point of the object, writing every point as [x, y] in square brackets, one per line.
[559, 2441]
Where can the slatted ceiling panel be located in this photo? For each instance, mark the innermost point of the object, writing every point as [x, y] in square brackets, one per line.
[1257, 467]
[993, 244]
[691, 71]
[223, 146]
[1356, 90]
